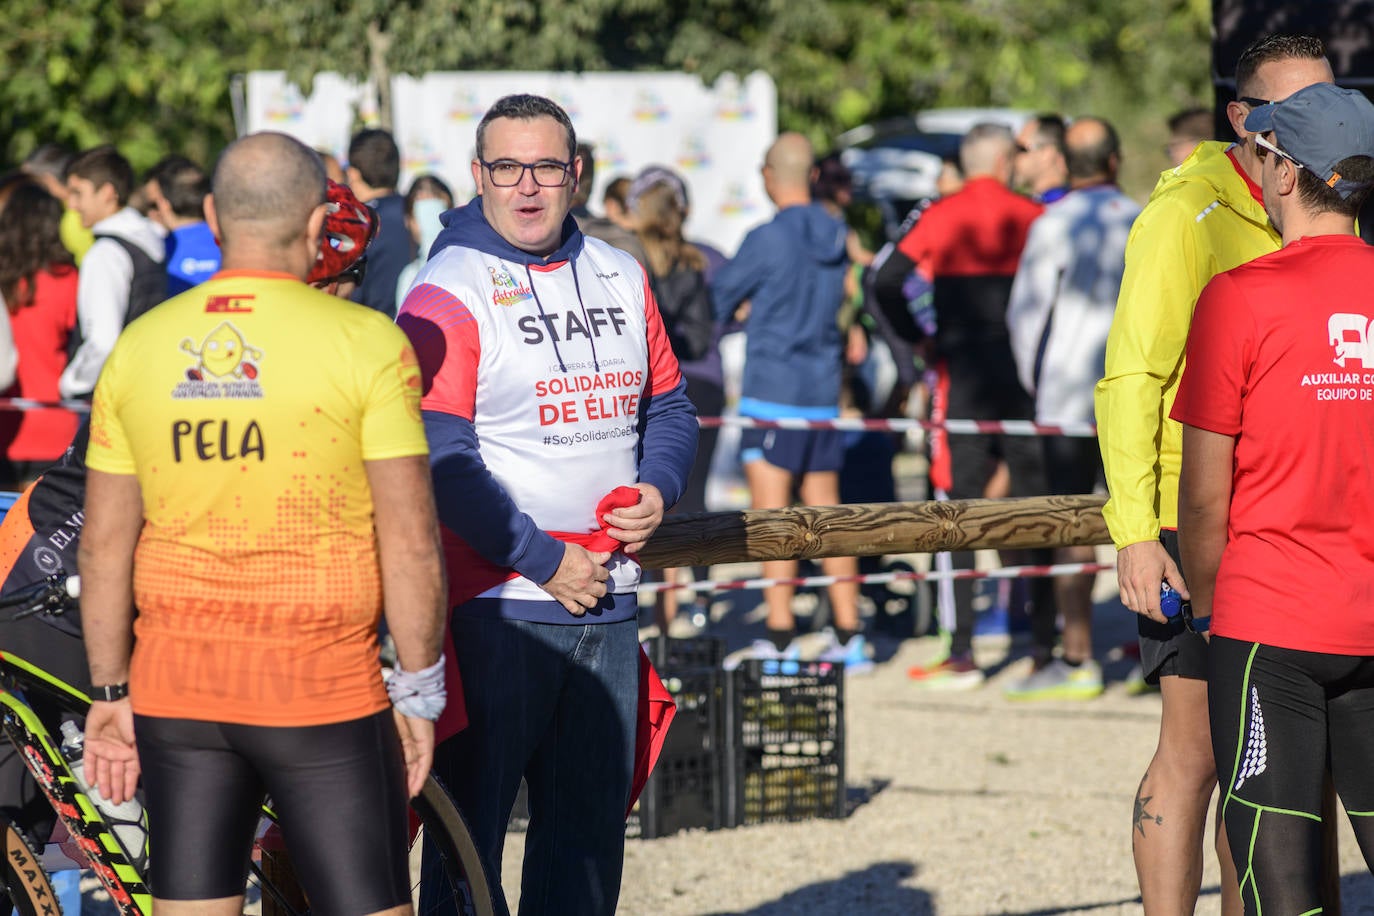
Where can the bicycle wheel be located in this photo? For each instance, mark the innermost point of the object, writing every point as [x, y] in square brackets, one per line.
[23, 882]
[456, 884]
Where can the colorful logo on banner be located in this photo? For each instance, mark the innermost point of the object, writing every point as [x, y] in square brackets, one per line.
[648, 107]
[734, 105]
[420, 156]
[736, 202]
[695, 154]
[568, 102]
[504, 290]
[465, 106]
[284, 105]
[610, 158]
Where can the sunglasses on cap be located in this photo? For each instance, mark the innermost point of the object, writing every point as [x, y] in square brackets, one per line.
[1263, 148]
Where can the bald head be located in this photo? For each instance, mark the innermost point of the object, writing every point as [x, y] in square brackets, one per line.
[1092, 151]
[986, 151]
[265, 188]
[790, 159]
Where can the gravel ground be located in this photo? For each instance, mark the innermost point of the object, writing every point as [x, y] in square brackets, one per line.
[961, 804]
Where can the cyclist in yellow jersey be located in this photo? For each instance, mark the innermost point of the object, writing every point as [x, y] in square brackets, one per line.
[257, 485]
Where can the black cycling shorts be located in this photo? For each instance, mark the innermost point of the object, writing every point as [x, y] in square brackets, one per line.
[338, 790]
[1170, 648]
[1277, 717]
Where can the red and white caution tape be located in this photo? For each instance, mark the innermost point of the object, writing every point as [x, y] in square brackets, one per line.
[903, 424]
[1006, 572]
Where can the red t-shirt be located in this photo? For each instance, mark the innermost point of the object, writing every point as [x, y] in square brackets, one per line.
[1281, 356]
[976, 232]
[41, 330]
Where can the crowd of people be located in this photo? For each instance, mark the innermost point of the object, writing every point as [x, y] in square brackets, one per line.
[511, 406]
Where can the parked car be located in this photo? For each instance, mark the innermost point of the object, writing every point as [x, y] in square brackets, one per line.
[896, 162]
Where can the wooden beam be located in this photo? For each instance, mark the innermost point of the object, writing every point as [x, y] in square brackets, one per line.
[875, 529]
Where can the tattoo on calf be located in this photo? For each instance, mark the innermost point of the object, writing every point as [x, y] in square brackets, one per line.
[1142, 814]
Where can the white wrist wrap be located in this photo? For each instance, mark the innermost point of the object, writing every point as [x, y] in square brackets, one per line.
[419, 694]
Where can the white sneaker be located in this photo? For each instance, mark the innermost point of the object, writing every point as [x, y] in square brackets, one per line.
[853, 654]
[762, 649]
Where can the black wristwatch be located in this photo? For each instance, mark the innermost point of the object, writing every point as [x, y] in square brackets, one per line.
[110, 692]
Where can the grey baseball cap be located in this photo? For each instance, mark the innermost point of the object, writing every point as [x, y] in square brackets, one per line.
[1319, 126]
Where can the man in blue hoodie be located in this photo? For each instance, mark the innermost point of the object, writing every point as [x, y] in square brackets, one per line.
[791, 272]
[547, 380]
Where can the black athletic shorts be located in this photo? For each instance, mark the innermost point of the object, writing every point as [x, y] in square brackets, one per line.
[1073, 465]
[338, 790]
[1277, 717]
[1170, 648]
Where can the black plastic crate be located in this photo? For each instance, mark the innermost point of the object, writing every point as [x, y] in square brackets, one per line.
[697, 727]
[770, 703]
[765, 787]
[669, 654]
[684, 792]
[784, 742]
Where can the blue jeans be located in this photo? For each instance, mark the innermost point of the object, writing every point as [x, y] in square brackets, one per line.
[558, 705]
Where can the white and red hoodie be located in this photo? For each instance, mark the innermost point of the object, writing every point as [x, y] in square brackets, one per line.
[548, 382]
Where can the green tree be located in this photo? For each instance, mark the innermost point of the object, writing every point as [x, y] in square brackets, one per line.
[154, 75]
[147, 75]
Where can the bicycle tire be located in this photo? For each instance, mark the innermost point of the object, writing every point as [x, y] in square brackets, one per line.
[459, 886]
[23, 882]
[462, 886]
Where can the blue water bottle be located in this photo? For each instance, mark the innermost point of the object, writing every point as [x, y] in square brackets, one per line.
[1170, 601]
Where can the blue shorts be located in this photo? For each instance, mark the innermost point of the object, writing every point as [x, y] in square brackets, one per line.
[800, 451]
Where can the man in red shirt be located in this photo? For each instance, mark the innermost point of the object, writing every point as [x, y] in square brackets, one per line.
[969, 244]
[1277, 403]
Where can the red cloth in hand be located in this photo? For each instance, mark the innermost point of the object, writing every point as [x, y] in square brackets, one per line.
[656, 712]
[469, 575]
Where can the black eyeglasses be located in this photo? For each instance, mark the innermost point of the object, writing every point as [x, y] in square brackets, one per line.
[548, 173]
[1253, 102]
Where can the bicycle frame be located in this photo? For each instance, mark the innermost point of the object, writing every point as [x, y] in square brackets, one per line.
[43, 758]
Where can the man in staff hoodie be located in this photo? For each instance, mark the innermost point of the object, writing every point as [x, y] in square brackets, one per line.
[559, 432]
[122, 275]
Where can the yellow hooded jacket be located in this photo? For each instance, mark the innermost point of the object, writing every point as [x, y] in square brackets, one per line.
[1201, 220]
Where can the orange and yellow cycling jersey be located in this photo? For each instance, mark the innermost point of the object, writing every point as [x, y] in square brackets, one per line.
[247, 408]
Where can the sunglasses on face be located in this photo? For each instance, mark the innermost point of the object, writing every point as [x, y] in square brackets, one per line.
[1263, 148]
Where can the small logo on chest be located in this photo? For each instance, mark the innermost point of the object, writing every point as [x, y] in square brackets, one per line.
[504, 290]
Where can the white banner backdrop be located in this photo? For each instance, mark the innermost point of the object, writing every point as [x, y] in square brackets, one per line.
[714, 136]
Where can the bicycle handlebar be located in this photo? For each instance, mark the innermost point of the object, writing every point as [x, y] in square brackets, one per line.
[52, 595]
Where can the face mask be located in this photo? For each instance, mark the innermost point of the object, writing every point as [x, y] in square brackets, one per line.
[426, 214]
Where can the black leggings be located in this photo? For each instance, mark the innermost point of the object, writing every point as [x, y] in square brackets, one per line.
[338, 790]
[1277, 716]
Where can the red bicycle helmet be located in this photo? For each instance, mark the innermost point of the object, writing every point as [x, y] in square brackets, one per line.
[349, 227]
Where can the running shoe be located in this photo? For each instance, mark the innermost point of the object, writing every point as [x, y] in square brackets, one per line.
[952, 672]
[784, 662]
[1058, 680]
[1135, 682]
[853, 654]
